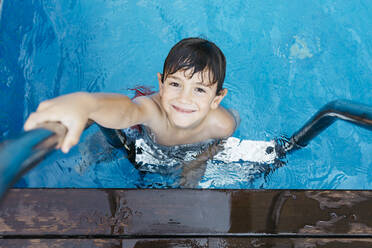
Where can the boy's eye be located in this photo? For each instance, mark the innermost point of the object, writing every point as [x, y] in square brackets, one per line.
[174, 84]
[200, 90]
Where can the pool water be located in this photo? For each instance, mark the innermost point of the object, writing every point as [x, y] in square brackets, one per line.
[285, 60]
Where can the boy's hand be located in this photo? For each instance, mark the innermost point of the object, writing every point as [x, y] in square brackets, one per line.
[71, 110]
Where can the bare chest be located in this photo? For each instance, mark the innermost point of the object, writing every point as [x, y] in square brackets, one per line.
[171, 137]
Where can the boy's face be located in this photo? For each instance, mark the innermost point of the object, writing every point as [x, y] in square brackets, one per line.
[188, 100]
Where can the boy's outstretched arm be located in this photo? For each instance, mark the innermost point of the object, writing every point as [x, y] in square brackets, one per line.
[74, 110]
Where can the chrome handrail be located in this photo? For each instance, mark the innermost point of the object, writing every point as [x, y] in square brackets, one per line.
[356, 113]
[22, 153]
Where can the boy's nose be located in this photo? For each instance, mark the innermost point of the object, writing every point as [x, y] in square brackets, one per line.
[185, 96]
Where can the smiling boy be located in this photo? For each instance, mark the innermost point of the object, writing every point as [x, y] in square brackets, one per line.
[186, 109]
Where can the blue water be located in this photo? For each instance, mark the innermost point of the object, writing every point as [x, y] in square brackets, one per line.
[285, 60]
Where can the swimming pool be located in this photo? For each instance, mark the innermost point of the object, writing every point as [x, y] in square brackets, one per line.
[284, 61]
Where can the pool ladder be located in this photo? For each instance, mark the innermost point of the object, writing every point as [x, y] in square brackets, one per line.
[22, 153]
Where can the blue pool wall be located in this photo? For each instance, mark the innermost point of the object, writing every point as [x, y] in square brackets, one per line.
[285, 59]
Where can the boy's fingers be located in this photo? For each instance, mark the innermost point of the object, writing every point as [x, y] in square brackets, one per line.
[27, 125]
[35, 119]
[72, 138]
[30, 122]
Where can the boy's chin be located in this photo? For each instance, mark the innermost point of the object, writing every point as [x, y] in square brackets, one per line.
[184, 124]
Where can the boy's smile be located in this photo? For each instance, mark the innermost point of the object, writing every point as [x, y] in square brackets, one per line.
[183, 110]
[187, 100]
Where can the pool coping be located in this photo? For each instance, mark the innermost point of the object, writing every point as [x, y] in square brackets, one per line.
[205, 215]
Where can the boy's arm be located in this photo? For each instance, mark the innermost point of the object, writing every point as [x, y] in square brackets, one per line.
[119, 111]
[74, 110]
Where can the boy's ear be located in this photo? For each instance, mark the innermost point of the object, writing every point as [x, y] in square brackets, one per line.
[160, 82]
[218, 98]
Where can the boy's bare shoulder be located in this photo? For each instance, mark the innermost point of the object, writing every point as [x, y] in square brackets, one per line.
[149, 106]
[221, 123]
[145, 101]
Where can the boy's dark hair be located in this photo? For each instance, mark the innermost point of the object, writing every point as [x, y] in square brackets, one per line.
[196, 54]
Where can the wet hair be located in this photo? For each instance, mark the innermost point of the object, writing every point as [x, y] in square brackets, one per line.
[198, 55]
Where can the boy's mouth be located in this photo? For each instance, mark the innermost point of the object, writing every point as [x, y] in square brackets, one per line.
[183, 110]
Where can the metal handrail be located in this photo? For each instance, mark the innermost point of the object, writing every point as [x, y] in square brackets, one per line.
[22, 153]
[356, 113]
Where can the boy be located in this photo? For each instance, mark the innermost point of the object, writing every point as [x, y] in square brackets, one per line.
[186, 109]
